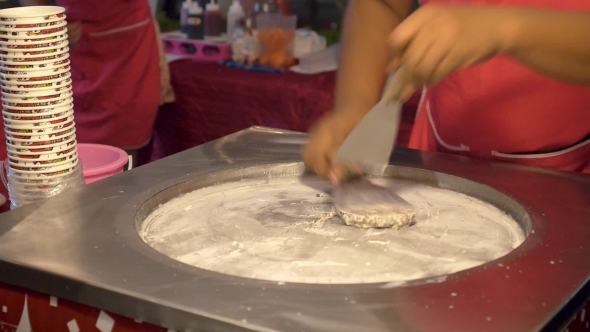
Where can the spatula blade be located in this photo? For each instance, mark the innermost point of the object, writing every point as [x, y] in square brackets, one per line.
[370, 143]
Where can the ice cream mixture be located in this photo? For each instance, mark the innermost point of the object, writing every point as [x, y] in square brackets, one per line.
[283, 229]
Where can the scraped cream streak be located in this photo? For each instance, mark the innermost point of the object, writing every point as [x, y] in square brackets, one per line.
[283, 230]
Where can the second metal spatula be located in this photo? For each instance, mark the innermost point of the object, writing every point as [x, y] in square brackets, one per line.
[370, 144]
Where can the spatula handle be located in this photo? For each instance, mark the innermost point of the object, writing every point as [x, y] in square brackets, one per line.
[393, 86]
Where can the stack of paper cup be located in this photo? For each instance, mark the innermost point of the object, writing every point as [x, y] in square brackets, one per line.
[37, 103]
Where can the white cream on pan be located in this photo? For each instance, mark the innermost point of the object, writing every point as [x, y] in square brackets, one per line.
[277, 230]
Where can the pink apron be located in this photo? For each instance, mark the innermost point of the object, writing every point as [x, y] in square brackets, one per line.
[115, 71]
[502, 110]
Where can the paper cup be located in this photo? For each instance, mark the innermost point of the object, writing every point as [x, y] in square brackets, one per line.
[33, 33]
[46, 168]
[39, 144]
[25, 120]
[37, 119]
[32, 124]
[41, 136]
[46, 175]
[31, 14]
[42, 155]
[34, 39]
[37, 111]
[8, 45]
[61, 146]
[12, 98]
[22, 162]
[49, 26]
[34, 53]
[33, 69]
[37, 85]
[45, 23]
[8, 50]
[35, 65]
[36, 92]
[31, 78]
[50, 129]
[35, 105]
[38, 130]
[14, 61]
[8, 112]
[28, 118]
[19, 57]
[53, 123]
[36, 73]
[34, 162]
[31, 52]
[33, 165]
[38, 21]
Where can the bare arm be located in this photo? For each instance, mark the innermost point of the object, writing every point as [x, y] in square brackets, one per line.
[361, 75]
[554, 42]
[33, 2]
[365, 53]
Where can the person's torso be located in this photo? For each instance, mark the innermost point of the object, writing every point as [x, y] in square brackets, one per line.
[503, 107]
[100, 16]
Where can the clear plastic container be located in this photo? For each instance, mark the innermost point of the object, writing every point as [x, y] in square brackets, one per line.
[25, 191]
[276, 32]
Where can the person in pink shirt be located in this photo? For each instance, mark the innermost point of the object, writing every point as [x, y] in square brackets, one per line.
[503, 80]
[119, 74]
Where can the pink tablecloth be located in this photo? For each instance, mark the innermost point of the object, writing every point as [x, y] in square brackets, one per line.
[214, 101]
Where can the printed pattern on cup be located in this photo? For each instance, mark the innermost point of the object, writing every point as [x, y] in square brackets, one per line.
[24, 46]
[24, 77]
[18, 87]
[48, 23]
[40, 129]
[35, 72]
[43, 18]
[36, 65]
[35, 32]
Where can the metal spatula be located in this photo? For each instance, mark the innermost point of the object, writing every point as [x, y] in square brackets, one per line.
[370, 144]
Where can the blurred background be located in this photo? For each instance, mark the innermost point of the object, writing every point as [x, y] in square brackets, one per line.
[317, 14]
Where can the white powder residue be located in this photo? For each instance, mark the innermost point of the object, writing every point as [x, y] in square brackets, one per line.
[278, 230]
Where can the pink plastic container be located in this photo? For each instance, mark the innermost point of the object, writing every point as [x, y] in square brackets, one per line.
[101, 161]
[199, 50]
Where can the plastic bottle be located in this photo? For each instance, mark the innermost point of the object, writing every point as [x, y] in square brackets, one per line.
[212, 20]
[234, 15]
[195, 22]
[186, 5]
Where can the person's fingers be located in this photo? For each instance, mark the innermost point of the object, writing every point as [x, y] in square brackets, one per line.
[321, 164]
[314, 154]
[437, 65]
[405, 32]
[419, 57]
[443, 69]
[430, 61]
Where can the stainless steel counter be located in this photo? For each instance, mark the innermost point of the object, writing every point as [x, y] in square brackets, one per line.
[84, 246]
